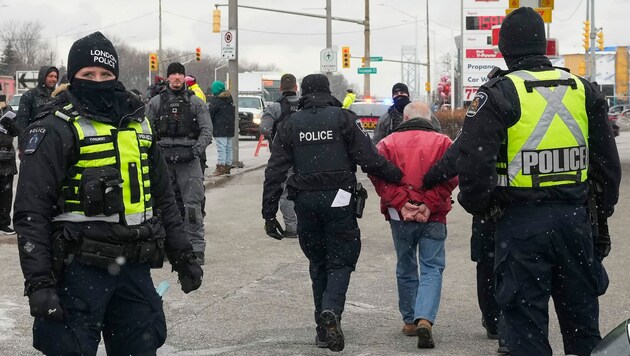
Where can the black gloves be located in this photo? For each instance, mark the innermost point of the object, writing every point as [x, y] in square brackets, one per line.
[602, 240]
[273, 228]
[188, 270]
[45, 303]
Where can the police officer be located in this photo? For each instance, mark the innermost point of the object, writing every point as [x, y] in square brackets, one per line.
[323, 143]
[94, 211]
[184, 130]
[274, 114]
[532, 138]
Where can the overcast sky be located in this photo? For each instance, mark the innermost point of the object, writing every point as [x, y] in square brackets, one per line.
[291, 42]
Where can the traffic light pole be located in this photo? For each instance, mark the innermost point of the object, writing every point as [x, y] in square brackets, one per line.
[592, 57]
[233, 73]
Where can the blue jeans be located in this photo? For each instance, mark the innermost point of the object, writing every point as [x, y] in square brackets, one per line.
[419, 296]
[224, 150]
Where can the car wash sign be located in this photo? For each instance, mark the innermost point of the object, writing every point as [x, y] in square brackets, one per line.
[479, 56]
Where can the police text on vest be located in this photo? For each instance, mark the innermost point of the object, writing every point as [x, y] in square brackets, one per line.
[555, 160]
[316, 135]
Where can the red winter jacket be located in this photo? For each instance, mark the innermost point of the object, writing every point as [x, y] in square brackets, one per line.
[414, 147]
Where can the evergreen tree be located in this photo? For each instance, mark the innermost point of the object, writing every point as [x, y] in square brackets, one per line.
[9, 62]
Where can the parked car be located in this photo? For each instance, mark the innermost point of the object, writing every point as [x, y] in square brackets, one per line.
[368, 113]
[15, 102]
[613, 115]
[250, 110]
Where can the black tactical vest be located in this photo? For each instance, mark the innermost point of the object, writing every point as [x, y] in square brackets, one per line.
[176, 118]
[318, 145]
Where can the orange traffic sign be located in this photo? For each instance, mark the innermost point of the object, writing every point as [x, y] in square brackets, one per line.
[545, 13]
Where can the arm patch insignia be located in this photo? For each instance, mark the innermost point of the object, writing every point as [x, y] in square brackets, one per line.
[33, 138]
[477, 103]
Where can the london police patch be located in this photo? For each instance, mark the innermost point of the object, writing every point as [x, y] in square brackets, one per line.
[477, 103]
[33, 138]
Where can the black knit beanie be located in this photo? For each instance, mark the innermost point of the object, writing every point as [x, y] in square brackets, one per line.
[175, 67]
[315, 83]
[400, 88]
[522, 34]
[92, 50]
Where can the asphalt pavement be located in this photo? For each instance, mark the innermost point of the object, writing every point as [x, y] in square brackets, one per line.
[256, 294]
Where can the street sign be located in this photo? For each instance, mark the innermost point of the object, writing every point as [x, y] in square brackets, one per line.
[376, 59]
[327, 60]
[545, 12]
[25, 80]
[228, 44]
[366, 70]
[546, 3]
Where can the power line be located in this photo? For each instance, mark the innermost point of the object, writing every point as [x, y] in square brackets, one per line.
[573, 13]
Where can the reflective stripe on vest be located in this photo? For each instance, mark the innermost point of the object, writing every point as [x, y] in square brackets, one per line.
[547, 146]
[125, 149]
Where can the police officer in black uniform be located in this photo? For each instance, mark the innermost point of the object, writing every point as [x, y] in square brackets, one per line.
[323, 143]
[533, 138]
[94, 211]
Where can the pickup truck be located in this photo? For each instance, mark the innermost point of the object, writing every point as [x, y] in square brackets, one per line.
[250, 110]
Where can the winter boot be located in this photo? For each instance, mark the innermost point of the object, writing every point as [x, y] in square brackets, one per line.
[227, 168]
[219, 170]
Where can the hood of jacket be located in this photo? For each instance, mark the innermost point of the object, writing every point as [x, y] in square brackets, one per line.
[415, 124]
[43, 72]
[318, 100]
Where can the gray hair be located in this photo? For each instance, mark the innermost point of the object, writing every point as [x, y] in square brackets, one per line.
[417, 110]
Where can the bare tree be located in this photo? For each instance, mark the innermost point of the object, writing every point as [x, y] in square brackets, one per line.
[26, 38]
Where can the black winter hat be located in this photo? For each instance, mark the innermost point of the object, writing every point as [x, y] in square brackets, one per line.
[175, 67]
[400, 87]
[315, 83]
[522, 34]
[92, 50]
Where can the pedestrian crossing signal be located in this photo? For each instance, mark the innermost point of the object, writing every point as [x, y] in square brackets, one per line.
[345, 57]
[198, 54]
[153, 62]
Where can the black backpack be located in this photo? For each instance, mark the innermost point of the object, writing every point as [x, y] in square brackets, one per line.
[286, 109]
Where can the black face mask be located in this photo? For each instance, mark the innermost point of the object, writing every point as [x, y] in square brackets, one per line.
[98, 96]
[400, 102]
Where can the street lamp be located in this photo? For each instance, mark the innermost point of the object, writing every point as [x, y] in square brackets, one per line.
[216, 69]
[416, 88]
[64, 32]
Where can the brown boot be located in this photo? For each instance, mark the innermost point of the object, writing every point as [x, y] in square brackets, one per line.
[409, 329]
[226, 168]
[218, 171]
[425, 336]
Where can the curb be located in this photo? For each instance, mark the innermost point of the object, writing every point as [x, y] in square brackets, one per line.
[216, 182]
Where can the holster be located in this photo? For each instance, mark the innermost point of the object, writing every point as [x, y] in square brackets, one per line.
[59, 254]
[361, 196]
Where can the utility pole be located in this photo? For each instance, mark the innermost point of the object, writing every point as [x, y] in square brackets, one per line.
[592, 57]
[428, 59]
[366, 52]
[329, 31]
[160, 39]
[233, 72]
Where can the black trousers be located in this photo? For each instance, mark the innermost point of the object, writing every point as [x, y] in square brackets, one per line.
[330, 239]
[6, 197]
[482, 252]
[543, 251]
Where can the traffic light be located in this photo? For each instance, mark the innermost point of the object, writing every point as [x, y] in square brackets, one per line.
[600, 40]
[216, 21]
[427, 86]
[198, 54]
[153, 62]
[362, 61]
[587, 35]
[345, 57]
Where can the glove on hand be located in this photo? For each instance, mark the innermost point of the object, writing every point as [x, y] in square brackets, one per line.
[188, 270]
[273, 228]
[602, 240]
[45, 303]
